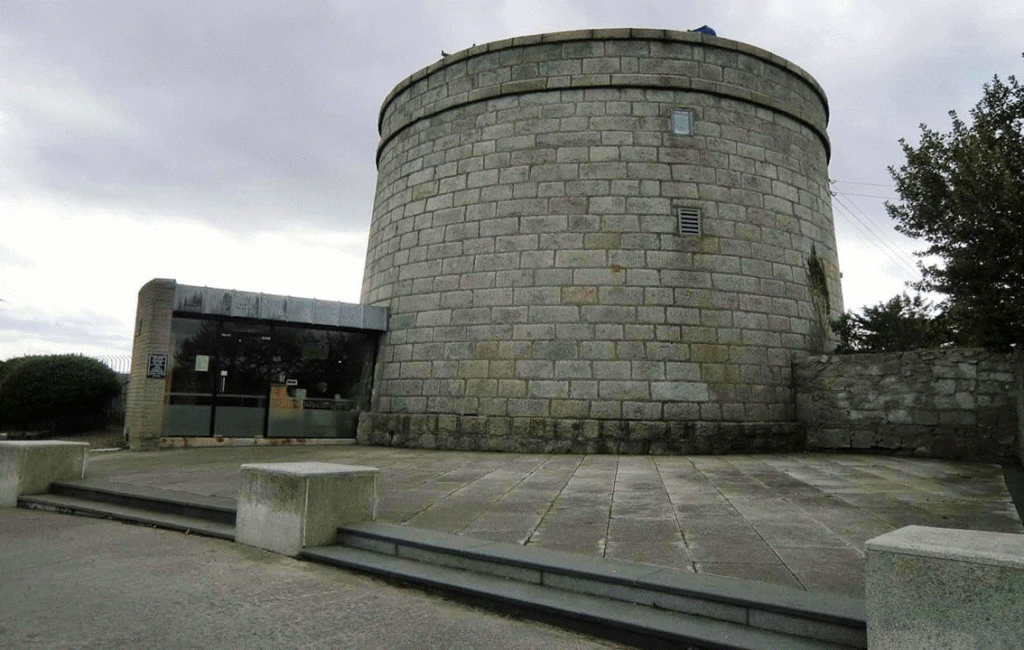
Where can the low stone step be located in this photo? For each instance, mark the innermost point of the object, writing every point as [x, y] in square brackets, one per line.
[174, 502]
[631, 623]
[645, 605]
[135, 514]
[823, 617]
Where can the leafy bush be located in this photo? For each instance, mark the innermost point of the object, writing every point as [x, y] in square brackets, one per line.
[9, 365]
[60, 392]
[902, 323]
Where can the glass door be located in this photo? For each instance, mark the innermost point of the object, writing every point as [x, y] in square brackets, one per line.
[241, 380]
[189, 402]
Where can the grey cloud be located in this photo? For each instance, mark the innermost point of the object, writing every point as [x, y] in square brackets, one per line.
[84, 328]
[214, 102]
[13, 259]
[258, 115]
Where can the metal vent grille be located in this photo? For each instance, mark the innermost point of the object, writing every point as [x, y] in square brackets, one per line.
[689, 221]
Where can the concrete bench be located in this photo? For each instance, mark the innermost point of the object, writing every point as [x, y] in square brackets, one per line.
[30, 466]
[285, 507]
[930, 588]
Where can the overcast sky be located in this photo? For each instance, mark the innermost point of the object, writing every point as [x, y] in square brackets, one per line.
[231, 144]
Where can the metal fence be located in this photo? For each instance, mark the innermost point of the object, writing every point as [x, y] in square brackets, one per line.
[121, 364]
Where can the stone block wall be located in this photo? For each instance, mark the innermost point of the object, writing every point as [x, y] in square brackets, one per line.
[526, 243]
[944, 403]
[577, 436]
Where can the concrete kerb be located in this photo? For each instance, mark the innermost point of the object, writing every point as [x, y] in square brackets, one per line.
[944, 588]
[285, 507]
[30, 466]
[770, 607]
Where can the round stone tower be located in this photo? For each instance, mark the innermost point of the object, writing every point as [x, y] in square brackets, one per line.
[600, 241]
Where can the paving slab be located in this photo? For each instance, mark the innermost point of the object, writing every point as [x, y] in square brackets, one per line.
[791, 519]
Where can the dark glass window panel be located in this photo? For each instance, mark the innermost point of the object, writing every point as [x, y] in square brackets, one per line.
[194, 344]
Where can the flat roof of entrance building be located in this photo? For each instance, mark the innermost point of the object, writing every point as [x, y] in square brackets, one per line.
[286, 309]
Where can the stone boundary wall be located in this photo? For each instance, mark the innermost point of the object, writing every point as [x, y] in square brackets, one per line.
[946, 403]
[944, 588]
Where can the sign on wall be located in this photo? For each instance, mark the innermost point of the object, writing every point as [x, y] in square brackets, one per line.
[156, 367]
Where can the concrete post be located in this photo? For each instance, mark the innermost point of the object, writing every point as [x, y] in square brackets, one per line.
[930, 588]
[285, 507]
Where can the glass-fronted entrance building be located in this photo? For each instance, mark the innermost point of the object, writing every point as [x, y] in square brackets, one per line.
[240, 378]
[213, 363]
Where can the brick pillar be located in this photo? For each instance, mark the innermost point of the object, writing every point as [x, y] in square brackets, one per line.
[145, 409]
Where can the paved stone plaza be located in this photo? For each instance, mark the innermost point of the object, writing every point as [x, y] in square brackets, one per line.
[792, 519]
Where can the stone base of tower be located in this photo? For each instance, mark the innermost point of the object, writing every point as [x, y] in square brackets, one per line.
[572, 436]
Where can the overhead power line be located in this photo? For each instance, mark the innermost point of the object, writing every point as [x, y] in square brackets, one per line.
[889, 185]
[871, 196]
[848, 209]
[884, 242]
[906, 270]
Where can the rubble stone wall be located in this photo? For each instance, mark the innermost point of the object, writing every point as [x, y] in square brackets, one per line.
[945, 403]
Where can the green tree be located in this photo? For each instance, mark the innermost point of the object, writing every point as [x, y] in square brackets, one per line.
[963, 193]
[898, 324]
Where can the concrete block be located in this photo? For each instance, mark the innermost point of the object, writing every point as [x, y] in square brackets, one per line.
[29, 466]
[285, 507]
[940, 588]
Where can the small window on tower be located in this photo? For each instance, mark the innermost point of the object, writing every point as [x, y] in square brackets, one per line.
[682, 121]
[689, 221]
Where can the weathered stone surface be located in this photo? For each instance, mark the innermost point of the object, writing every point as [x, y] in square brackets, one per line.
[285, 507]
[29, 467]
[944, 588]
[947, 403]
[525, 217]
[578, 436]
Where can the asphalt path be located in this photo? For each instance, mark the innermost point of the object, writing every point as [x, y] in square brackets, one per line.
[76, 583]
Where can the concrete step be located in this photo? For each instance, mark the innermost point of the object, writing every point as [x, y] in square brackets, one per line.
[134, 514]
[635, 624]
[818, 617]
[644, 605]
[183, 511]
[187, 504]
